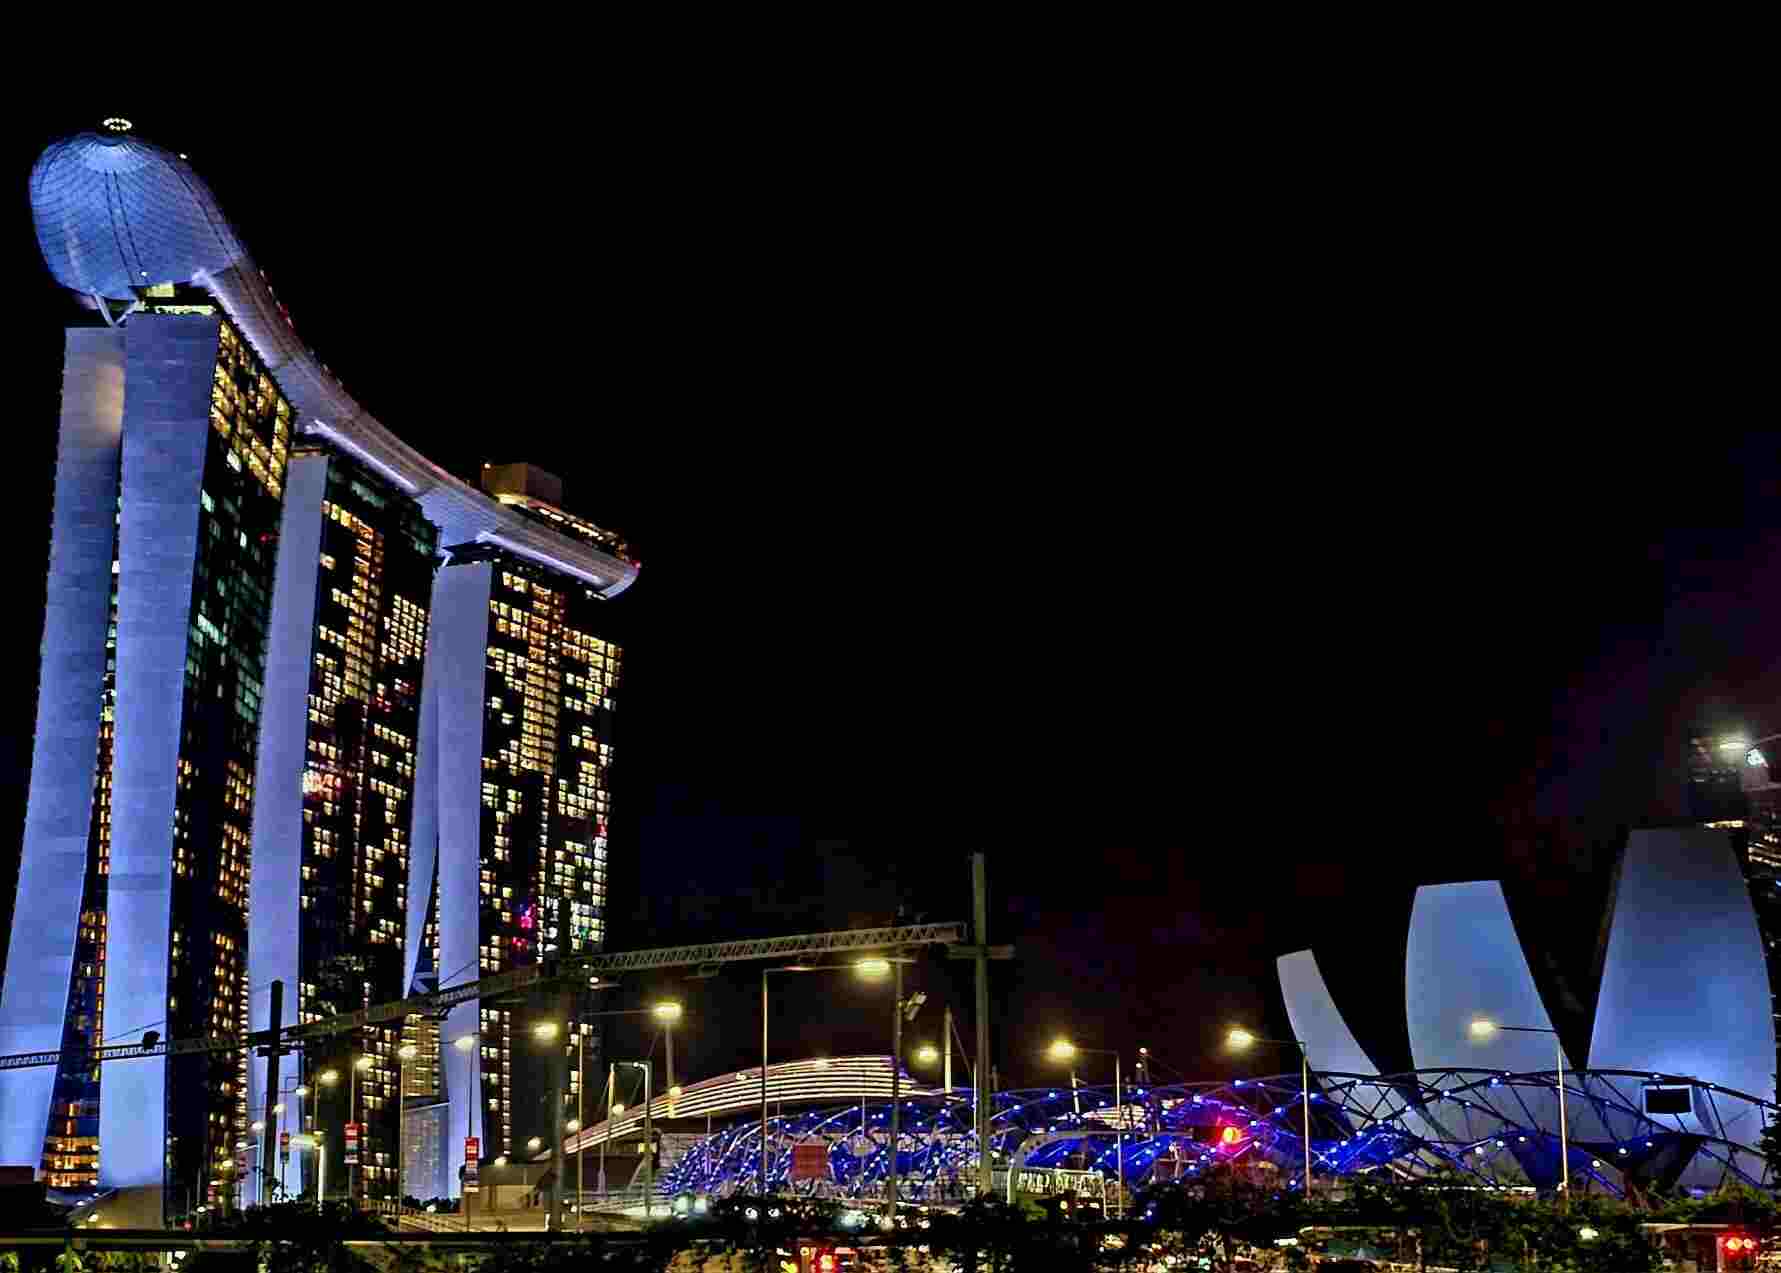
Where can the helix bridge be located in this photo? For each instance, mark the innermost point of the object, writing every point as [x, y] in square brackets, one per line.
[1623, 1130]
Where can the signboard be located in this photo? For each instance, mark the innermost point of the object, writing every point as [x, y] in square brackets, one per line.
[284, 1145]
[352, 1144]
[1049, 1182]
[472, 1152]
[810, 1161]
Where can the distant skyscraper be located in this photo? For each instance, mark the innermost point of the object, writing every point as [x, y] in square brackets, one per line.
[258, 685]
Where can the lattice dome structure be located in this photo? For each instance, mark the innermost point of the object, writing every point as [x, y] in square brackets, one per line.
[1494, 1128]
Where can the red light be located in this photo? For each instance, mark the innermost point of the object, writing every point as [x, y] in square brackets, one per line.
[1230, 1136]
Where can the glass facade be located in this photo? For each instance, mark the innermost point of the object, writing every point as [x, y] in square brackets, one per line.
[550, 693]
[373, 581]
[238, 519]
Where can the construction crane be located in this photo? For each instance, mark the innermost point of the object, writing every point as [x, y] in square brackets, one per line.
[706, 955]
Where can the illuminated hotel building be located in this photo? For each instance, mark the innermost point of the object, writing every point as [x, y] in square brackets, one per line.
[136, 860]
[290, 667]
[528, 676]
[339, 748]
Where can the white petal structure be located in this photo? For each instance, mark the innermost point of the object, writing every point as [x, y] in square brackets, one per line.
[1464, 963]
[1316, 1020]
[1684, 989]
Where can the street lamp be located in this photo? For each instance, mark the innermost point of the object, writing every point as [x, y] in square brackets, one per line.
[1064, 1050]
[406, 1053]
[466, 1043]
[927, 1054]
[358, 1067]
[649, 1144]
[1239, 1039]
[668, 1013]
[870, 969]
[1482, 1029]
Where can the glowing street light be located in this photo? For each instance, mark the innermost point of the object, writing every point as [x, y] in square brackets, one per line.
[302, 1089]
[1482, 1029]
[872, 968]
[1238, 1039]
[327, 1078]
[618, 1109]
[1064, 1050]
[573, 1125]
[256, 1127]
[362, 1064]
[545, 1031]
[535, 1144]
[668, 1011]
[927, 1054]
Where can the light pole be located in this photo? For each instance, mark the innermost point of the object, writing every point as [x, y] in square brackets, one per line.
[649, 1144]
[871, 969]
[355, 1183]
[327, 1078]
[258, 1128]
[406, 1053]
[612, 1111]
[1064, 1050]
[1482, 1029]
[667, 1012]
[465, 1044]
[1240, 1038]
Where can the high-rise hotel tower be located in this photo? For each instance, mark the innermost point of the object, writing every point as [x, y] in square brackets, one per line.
[304, 695]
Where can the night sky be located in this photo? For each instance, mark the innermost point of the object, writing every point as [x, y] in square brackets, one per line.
[1225, 547]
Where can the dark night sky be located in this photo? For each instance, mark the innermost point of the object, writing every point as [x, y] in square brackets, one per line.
[1223, 544]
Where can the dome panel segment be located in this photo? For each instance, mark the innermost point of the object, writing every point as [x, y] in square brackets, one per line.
[114, 213]
[1329, 1043]
[1465, 964]
[1685, 989]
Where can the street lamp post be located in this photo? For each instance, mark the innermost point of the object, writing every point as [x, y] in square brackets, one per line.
[327, 1078]
[649, 1144]
[355, 1183]
[1482, 1029]
[1240, 1039]
[465, 1044]
[406, 1053]
[871, 968]
[1064, 1050]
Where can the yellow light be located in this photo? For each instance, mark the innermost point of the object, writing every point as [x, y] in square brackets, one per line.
[464, 1044]
[278, 1108]
[669, 1011]
[874, 967]
[327, 1078]
[1062, 1050]
[501, 1160]
[927, 1054]
[573, 1125]
[545, 1031]
[618, 1109]
[363, 1063]
[674, 1092]
[1239, 1038]
[821, 1063]
[535, 1143]
[1483, 1029]
[408, 1051]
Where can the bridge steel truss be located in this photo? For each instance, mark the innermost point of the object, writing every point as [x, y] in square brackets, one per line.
[1490, 1128]
[594, 967]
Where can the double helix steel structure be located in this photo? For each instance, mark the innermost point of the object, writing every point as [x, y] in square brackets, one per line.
[1490, 1128]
